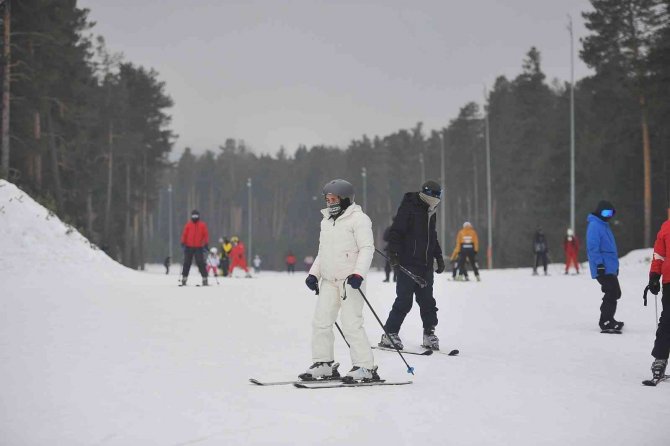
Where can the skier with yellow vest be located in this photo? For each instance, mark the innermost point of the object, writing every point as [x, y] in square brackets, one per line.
[467, 246]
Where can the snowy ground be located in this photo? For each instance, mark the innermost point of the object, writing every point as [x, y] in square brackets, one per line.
[92, 353]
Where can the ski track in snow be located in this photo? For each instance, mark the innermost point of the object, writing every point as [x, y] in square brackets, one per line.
[93, 353]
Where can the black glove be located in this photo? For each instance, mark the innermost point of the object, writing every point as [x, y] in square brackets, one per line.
[355, 281]
[600, 270]
[312, 283]
[394, 259]
[440, 265]
[654, 283]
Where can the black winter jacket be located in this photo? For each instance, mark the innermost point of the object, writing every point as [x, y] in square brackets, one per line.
[413, 236]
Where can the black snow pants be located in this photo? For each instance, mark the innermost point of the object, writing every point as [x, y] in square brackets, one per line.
[387, 269]
[541, 257]
[610, 286]
[199, 260]
[406, 288]
[469, 255]
[662, 343]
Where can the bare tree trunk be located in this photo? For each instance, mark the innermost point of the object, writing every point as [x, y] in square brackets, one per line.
[54, 161]
[89, 213]
[6, 59]
[127, 235]
[646, 154]
[110, 169]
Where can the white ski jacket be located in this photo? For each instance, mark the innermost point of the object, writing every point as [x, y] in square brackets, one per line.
[346, 245]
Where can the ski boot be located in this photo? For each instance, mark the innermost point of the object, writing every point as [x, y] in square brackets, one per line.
[361, 374]
[183, 281]
[388, 341]
[611, 326]
[321, 371]
[430, 341]
[479, 279]
[658, 368]
[204, 281]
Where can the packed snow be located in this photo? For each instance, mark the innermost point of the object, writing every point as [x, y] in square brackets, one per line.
[94, 353]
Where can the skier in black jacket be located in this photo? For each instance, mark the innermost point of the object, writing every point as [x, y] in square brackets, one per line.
[413, 244]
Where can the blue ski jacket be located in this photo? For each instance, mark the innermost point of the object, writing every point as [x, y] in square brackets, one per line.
[601, 246]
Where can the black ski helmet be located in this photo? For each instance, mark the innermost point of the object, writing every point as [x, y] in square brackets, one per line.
[432, 189]
[341, 188]
[195, 215]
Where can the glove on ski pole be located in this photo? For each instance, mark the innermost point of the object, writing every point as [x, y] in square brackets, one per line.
[418, 280]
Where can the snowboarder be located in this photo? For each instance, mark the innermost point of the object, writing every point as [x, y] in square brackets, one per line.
[541, 249]
[237, 257]
[604, 263]
[213, 262]
[571, 249]
[660, 267]
[166, 264]
[413, 244]
[387, 264]
[346, 248]
[290, 263]
[256, 262]
[467, 246]
[194, 240]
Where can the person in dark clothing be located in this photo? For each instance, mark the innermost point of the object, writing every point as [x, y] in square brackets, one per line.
[413, 244]
[660, 268]
[194, 240]
[387, 264]
[541, 249]
[166, 264]
[604, 263]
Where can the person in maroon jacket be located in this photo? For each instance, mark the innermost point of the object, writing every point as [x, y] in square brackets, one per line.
[194, 241]
[660, 268]
[571, 249]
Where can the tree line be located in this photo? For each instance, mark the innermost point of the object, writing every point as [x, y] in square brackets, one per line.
[99, 157]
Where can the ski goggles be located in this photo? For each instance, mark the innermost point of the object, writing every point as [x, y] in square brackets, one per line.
[607, 213]
[432, 193]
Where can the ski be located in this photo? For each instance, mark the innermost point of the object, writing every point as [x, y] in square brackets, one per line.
[408, 352]
[611, 331]
[654, 381]
[303, 385]
[297, 381]
[453, 352]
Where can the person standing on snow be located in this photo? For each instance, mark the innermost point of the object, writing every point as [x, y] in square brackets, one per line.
[166, 264]
[467, 246]
[387, 264]
[660, 268]
[226, 247]
[237, 257]
[346, 248]
[541, 249]
[604, 263]
[256, 262]
[290, 263]
[213, 262]
[413, 244]
[571, 249]
[194, 240]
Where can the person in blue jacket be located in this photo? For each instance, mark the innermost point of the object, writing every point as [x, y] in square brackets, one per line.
[604, 263]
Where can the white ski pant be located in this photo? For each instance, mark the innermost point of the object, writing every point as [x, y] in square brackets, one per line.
[328, 305]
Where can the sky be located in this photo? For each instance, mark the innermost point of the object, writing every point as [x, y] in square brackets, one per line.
[290, 73]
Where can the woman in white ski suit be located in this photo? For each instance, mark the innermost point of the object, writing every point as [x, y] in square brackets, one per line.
[346, 247]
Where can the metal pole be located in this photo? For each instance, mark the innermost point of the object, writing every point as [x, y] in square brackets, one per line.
[572, 130]
[423, 168]
[444, 188]
[250, 244]
[364, 174]
[6, 60]
[489, 249]
[170, 220]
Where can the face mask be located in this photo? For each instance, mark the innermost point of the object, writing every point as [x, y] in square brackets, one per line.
[334, 209]
[432, 202]
[195, 217]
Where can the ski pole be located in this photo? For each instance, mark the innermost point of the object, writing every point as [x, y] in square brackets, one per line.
[410, 369]
[418, 280]
[342, 333]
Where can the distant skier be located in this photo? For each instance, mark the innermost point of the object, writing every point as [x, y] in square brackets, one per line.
[467, 247]
[226, 247]
[660, 267]
[213, 262]
[194, 240]
[237, 257]
[256, 262]
[604, 263]
[387, 264]
[166, 264]
[308, 261]
[290, 263]
[571, 249]
[413, 244]
[541, 249]
[346, 248]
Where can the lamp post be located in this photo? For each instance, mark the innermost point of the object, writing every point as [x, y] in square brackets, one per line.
[572, 127]
[423, 168]
[170, 220]
[489, 248]
[250, 242]
[442, 183]
[364, 175]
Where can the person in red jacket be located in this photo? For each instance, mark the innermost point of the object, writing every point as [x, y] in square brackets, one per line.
[660, 267]
[237, 258]
[290, 263]
[571, 249]
[194, 241]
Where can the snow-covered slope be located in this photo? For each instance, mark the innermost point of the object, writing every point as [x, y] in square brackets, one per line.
[91, 353]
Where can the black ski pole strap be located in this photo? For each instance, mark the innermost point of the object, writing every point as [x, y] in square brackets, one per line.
[644, 296]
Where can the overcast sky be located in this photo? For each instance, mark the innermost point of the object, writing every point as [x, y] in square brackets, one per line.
[285, 73]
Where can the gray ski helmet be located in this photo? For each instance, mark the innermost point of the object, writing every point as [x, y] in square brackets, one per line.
[341, 188]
